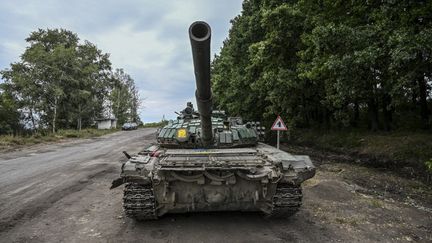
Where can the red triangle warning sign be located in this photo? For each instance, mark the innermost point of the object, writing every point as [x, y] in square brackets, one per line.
[279, 125]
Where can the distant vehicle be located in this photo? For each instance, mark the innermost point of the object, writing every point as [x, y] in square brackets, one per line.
[130, 126]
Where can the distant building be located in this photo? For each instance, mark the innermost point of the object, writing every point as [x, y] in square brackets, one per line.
[106, 123]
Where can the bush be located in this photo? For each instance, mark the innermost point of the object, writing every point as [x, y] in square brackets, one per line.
[429, 165]
[155, 124]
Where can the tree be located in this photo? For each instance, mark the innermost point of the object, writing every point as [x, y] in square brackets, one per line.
[328, 63]
[91, 84]
[124, 97]
[45, 68]
[9, 115]
[62, 83]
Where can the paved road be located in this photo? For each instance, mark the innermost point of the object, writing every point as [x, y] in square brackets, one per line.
[60, 193]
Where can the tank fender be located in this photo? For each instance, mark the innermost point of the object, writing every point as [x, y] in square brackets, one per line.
[117, 182]
[137, 169]
[126, 179]
[298, 170]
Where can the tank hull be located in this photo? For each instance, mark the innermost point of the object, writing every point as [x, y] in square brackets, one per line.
[238, 179]
[191, 197]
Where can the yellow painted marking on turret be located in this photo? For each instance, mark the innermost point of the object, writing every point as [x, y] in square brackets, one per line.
[181, 133]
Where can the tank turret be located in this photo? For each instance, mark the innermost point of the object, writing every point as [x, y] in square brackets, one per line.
[200, 35]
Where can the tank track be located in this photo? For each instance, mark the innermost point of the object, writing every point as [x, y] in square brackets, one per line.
[139, 202]
[286, 201]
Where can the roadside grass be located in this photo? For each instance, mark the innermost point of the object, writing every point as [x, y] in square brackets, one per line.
[84, 133]
[154, 124]
[376, 203]
[400, 148]
[347, 221]
[9, 142]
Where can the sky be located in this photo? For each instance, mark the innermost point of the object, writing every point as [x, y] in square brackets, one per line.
[147, 38]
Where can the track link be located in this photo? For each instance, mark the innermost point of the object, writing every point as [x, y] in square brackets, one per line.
[286, 201]
[139, 202]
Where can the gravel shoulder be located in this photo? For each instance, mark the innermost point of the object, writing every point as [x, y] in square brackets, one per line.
[70, 201]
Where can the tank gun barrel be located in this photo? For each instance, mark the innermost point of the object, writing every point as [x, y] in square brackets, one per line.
[200, 35]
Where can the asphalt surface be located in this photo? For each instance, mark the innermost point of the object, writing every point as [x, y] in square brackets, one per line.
[60, 193]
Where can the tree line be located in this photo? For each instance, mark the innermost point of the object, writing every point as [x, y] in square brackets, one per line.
[61, 83]
[329, 63]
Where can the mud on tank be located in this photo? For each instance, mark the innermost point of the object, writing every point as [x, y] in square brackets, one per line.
[205, 161]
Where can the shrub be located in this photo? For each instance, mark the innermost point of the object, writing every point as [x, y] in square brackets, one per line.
[429, 165]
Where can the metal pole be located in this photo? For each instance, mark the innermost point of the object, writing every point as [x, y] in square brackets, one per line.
[277, 139]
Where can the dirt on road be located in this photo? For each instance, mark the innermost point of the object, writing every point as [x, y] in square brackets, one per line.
[60, 193]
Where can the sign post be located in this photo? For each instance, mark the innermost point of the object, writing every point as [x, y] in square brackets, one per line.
[277, 146]
[278, 125]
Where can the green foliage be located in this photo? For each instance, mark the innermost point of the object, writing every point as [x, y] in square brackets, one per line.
[84, 133]
[404, 148]
[9, 115]
[326, 64]
[10, 142]
[124, 98]
[429, 165]
[155, 124]
[61, 83]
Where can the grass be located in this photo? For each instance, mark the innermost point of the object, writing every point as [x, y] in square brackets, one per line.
[412, 146]
[376, 203]
[347, 221]
[155, 124]
[9, 142]
[404, 148]
[84, 133]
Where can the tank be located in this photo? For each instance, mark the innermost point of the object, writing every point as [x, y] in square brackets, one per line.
[205, 161]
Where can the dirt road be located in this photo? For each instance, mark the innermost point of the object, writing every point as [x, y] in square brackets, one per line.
[60, 193]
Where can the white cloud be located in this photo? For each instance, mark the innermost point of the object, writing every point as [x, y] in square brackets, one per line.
[146, 38]
[129, 48]
[10, 48]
